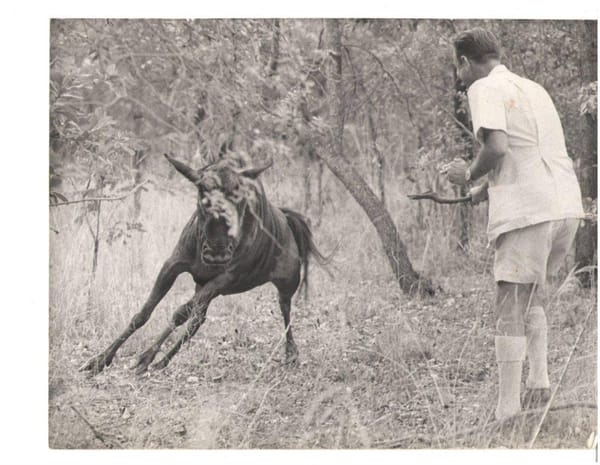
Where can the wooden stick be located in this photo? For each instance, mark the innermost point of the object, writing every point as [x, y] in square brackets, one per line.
[94, 430]
[430, 195]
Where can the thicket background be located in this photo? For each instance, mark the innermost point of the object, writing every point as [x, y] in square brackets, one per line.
[377, 365]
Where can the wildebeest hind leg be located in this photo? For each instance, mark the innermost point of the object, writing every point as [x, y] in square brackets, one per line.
[196, 310]
[192, 329]
[180, 316]
[291, 351]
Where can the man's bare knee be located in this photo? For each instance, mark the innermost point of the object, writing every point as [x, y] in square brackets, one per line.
[520, 294]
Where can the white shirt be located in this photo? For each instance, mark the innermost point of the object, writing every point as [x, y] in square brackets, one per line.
[535, 181]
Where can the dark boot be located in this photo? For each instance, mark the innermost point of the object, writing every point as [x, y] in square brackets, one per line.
[535, 398]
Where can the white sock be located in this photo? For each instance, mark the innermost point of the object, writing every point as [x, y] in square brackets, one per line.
[536, 330]
[510, 353]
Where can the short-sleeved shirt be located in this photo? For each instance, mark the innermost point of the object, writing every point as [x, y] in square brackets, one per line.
[535, 180]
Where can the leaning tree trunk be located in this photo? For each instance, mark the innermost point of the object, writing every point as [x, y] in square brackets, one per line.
[465, 216]
[586, 240]
[408, 279]
[378, 159]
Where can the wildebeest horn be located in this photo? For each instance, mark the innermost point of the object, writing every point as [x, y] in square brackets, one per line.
[188, 172]
[254, 172]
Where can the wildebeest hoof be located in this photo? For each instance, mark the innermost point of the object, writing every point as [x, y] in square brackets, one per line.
[140, 369]
[143, 362]
[161, 364]
[96, 364]
[291, 358]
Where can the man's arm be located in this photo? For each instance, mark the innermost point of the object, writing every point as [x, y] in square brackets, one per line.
[495, 146]
[479, 193]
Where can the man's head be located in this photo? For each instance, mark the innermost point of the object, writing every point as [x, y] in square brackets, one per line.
[476, 52]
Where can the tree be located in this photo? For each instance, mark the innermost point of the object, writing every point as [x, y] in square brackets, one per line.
[465, 216]
[587, 163]
[125, 91]
[408, 279]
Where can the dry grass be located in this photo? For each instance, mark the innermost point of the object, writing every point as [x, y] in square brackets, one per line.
[377, 369]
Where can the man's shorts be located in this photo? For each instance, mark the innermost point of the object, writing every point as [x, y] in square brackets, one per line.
[529, 255]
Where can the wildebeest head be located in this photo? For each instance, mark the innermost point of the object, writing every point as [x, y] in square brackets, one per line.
[225, 191]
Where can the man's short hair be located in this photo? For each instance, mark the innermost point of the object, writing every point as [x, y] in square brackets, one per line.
[477, 44]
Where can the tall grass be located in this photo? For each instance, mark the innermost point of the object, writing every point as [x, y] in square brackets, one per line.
[375, 365]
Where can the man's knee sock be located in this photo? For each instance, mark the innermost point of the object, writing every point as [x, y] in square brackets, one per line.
[536, 331]
[510, 353]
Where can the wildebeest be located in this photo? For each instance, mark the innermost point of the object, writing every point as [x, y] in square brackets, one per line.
[236, 240]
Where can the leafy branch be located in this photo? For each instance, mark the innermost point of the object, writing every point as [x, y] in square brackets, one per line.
[99, 199]
[421, 80]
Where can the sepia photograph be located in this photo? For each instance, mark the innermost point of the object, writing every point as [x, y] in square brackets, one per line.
[322, 234]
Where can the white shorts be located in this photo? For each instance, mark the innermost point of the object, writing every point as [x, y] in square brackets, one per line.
[528, 255]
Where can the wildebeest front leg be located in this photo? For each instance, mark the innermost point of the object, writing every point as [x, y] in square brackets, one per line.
[166, 277]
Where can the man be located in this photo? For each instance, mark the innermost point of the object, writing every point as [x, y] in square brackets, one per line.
[534, 206]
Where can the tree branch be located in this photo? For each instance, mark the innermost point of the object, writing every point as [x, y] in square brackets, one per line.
[100, 199]
[433, 99]
[97, 434]
[421, 81]
[155, 91]
[431, 195]
[382, 66]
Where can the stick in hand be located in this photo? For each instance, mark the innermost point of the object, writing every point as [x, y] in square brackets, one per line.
[430, 195]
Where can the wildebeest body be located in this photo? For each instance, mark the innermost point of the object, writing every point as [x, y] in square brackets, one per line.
[231, 244]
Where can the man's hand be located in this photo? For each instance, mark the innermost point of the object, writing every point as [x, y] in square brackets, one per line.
[479, 193]
[456, 171]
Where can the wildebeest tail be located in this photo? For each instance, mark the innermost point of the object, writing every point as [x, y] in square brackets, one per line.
[304, 240]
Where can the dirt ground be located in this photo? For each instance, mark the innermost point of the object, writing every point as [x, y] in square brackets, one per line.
[376, 370]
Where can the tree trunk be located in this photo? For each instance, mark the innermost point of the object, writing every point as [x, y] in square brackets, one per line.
[320, 200]
[137, 163]
[586, 240]
[270, 92]
[137, 166]
[378, 159]
[408, 279]
[375, 158]
[307, 184]
[274, 60]
[465, 216]
[586, 245]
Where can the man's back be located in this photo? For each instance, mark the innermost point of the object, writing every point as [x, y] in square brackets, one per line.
[531, 116]
[535, 181]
